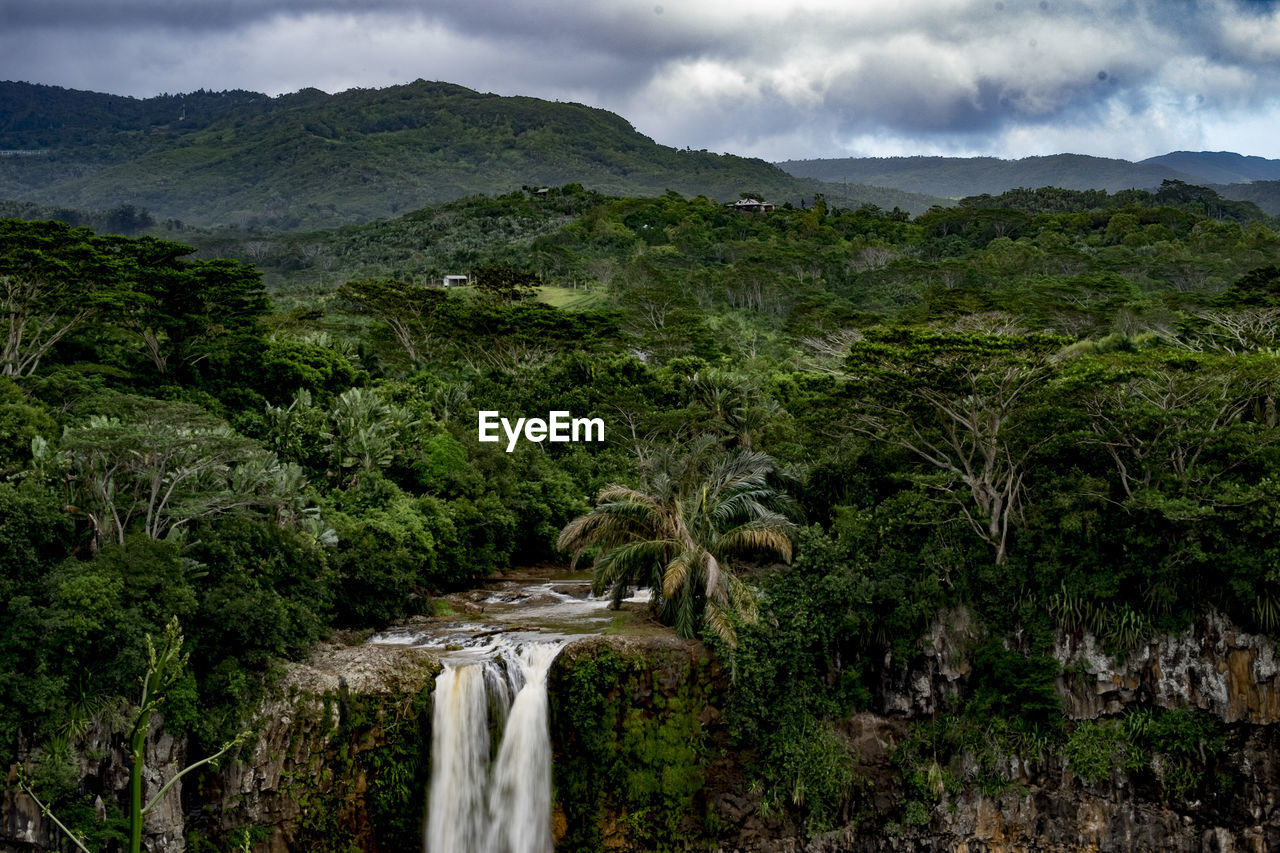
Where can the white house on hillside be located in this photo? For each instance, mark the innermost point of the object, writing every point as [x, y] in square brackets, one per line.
[751, 205]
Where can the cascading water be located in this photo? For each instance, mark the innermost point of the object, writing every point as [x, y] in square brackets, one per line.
[456, 818]
[504, 808]
[482, 799]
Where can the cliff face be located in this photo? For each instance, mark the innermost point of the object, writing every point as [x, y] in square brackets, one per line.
[638, 743]
[642, 759]
[1229, 804]
[1047, 808]
[339, 763]
[103, 769]
[1212, 666]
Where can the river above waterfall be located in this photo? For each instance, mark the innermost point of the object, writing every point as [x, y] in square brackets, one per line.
[520, 607]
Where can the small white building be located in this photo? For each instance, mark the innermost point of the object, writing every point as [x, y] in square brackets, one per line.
[456, 281]
[750, 205]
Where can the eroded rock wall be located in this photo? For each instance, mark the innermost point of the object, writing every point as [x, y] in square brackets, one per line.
[1211, 666]
[1048, 809]
[638, 738]
[642, 758]
[339, 762]
[102, 765]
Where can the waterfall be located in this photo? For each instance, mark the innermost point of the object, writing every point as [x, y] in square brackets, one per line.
[506, 808]
[459, 759]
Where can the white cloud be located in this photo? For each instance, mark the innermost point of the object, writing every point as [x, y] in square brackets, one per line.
[1253, 38]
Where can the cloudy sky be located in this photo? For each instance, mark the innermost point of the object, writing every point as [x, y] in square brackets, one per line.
[772, 78]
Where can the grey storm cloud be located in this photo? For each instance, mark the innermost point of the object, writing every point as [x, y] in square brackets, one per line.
[179, 14]
[629, 29]
[751, 75]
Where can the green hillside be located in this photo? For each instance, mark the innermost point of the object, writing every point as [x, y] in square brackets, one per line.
[310, 159]
[1265, 194]
[34, 117]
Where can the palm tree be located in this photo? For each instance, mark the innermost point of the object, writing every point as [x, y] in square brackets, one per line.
[680, 533]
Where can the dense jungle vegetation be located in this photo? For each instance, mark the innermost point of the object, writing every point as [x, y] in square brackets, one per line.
[1058, 408]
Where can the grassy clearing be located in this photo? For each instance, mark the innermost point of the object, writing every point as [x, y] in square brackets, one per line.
[572, 299]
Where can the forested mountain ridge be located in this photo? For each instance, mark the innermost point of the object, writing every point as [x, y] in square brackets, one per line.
[309, 159]
[1232, 175]
[313, 160]
[37, 117]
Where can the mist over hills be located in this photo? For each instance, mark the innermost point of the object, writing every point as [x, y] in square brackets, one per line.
[310, 159]
[1232, 175]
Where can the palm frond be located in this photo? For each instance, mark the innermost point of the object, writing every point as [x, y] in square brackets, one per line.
[744, 468]
[763, 535]
[606, 526]
[712, 585]
[717, 619]
[615, 493]
[741, 506]
[679, 573]
[686, 617]
[618, 594]
[629, 563]
[744, 600]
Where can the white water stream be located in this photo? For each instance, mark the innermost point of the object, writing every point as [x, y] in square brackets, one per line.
[490, 745]
[501, 806]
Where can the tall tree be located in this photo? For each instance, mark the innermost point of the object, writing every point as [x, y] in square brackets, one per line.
[189, 314]
[1182, 425]
[53, 280]
[411, 311]
[958, 403]
[159, 467]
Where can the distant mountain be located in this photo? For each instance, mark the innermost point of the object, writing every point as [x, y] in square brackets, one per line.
[46, 118]
[1234, 176]
[310, 159]
[1219, 167]
[957, 177]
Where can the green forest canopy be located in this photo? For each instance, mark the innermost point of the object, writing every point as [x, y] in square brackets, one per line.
[1056, 408]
